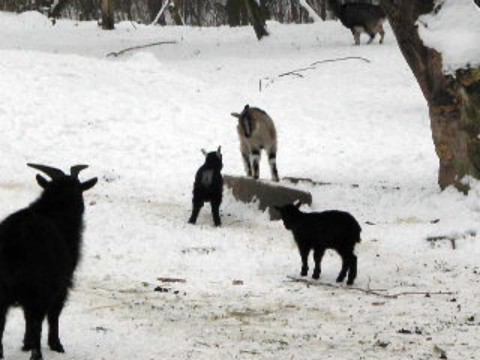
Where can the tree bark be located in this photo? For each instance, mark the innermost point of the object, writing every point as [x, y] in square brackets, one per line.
[108, 21]
[56, 9]
[256, 18]
[453, 101]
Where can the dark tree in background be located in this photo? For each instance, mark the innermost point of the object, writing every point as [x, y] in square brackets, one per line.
[192, 12]
[108, 21]
[257, 18]
[453, 101]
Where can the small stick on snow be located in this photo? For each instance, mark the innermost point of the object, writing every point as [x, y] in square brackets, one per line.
[271, 79]
[171, 280]
[375, 292]
[117, 53]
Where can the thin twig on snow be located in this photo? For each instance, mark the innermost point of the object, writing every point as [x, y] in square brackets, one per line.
[297, 72]
[375, 292]
[118, 53]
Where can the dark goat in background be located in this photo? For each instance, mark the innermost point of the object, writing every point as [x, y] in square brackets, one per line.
[208, 186]
[256, 131]
[39, 251]
[318, 231]
[360, 17]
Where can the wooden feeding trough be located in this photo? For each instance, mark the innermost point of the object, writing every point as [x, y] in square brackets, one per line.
[266, 193]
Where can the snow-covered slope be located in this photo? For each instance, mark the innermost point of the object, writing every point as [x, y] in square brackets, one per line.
[140, 121]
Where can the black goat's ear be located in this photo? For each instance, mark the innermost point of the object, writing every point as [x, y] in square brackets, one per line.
[42, 181]
[297, 204]
[235, 115]
[204, 152]
[219, 150]
[89, 184]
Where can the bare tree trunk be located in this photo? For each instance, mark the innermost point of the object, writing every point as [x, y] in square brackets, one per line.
[256, 18]
[108, 22]
[56, 8]
[453, 101]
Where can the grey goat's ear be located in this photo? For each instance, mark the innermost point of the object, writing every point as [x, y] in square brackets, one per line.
[204, 152]
[235, 115]
[297, 204]
[42, 181]
[88, 184]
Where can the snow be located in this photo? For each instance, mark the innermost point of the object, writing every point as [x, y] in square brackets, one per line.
[454, 32]
[140, 121]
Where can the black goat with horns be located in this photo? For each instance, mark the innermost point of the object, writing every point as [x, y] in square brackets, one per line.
[39, 250]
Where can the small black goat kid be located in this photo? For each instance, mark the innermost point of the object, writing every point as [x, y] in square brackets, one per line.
[208, 186]
[39, 250]
[318, 231]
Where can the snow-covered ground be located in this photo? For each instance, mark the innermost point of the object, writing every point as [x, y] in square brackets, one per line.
[140, 120]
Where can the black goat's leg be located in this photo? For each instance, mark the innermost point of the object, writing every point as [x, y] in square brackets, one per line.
[53, 315]
[352, 270]
[272, 160]
[36, 326]
[27, 337]
[215, 205]
[3, 316]
[255, 163]
[197, 205]
[317, 257]
[345, 267]
[304, 251]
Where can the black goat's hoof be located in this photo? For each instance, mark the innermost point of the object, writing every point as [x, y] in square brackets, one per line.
[350, 282]
[27, 347]
[339, 280]
[316, 276]
[36, 355]
[304, 273]
[56, 346]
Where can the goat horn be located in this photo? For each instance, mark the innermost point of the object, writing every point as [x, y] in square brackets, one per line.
[75, 170]
[54, 173]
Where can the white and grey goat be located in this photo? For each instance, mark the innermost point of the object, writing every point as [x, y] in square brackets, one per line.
[256, 132]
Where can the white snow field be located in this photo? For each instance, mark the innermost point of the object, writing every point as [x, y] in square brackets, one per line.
[140, 119]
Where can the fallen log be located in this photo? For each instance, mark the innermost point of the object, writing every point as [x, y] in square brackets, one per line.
[266, 193]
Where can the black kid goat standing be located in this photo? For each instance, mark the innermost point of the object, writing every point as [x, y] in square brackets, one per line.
[208, 186]
[39, 250]
[318, 231]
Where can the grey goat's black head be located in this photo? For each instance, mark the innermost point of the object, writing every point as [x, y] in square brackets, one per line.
[245, 121]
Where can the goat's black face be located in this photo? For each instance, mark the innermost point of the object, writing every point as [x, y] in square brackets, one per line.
[245, 121]
[246, 124]
[288, 213]
[214, 159]
[63, 189]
